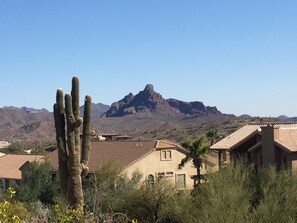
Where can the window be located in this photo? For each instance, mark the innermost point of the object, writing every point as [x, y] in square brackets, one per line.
[169, 174]
[180, 181]
[166, 155]
[150, 180]
[165, 174]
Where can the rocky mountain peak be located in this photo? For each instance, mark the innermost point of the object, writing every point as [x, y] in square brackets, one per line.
[148, 98]
[149, 88]
[149, 101]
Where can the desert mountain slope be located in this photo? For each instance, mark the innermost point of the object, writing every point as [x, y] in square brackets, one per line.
[97, 110]
[149, 101]
[26, 124]
[145, 116]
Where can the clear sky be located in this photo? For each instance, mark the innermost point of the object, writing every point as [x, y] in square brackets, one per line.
[238, 55]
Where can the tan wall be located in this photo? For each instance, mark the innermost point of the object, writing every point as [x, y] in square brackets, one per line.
[152, 164]
[269, 134]
[292, 159]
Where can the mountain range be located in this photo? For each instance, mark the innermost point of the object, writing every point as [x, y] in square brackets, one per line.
[146, 115]
[149, 101]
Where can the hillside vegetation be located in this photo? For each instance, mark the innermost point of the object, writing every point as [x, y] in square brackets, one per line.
[234, 194]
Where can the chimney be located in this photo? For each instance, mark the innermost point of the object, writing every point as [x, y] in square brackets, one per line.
[269, 133]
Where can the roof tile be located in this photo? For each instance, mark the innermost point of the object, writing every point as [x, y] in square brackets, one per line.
[10, 164]
[287, 136]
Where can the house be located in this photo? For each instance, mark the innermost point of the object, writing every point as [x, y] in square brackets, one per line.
[4, 144]
[10, 172]
[153, 159]
[262, 144]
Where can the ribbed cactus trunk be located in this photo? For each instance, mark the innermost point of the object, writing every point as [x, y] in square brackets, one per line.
[73, 153]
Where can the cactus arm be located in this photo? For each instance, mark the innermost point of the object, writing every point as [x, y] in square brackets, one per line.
[70, 124]
[60, 124]
[61, 141]
[86, 139]
[76, 113]
[75, 97]
[74, 193]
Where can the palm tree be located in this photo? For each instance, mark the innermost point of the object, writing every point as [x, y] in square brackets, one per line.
[212, 135]
[197, 149]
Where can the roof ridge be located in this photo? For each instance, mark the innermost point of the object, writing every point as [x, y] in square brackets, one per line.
[273, 123]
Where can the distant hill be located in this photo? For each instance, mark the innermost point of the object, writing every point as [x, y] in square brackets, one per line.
[144, 116]
[97, 110]
[286, 118]
[150, 102]
[283, 117]
[245, 116]
[25, 124]
[33, 110]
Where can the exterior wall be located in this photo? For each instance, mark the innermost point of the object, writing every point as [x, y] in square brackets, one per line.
[153, 164]
[6, 183]
[292, 159]
[241, 151]
[257, 157]
[284, 159]
[269, 152]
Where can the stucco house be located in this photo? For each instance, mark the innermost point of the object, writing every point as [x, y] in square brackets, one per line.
[153, 159]
[10, 167]
[262, 144]
[4, 144]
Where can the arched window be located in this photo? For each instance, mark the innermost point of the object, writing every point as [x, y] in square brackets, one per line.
[150, 180]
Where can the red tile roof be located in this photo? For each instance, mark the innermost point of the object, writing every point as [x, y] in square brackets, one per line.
[10, 165]
[124, 153]
[287, 136]
[236, 137]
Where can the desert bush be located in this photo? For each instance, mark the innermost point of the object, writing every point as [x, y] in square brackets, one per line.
[226, 195]
[14, 148]
[276, 196]
[148, 203]
[38, 184]
[106, 191]
[12, 211]
[181, 209]
[68, 215]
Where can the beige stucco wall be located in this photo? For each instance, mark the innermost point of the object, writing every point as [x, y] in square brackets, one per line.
[292, 158]
[152, 164]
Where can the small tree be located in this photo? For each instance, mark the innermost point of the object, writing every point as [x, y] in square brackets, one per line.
[14, 148]
[106, 191]
[149, 204]
[38, 184]
[197, 149]
[212, 135]
[226, 195]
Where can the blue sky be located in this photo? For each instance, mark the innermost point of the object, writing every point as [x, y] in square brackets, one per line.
[239, 55]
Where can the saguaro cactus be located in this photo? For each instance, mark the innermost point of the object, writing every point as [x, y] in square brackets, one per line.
[73, 153]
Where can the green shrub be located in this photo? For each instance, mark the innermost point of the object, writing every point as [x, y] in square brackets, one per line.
[226, 195]
[12, 211]
[14, 148]
[67, 215]
[277, 197]
[38, 184]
